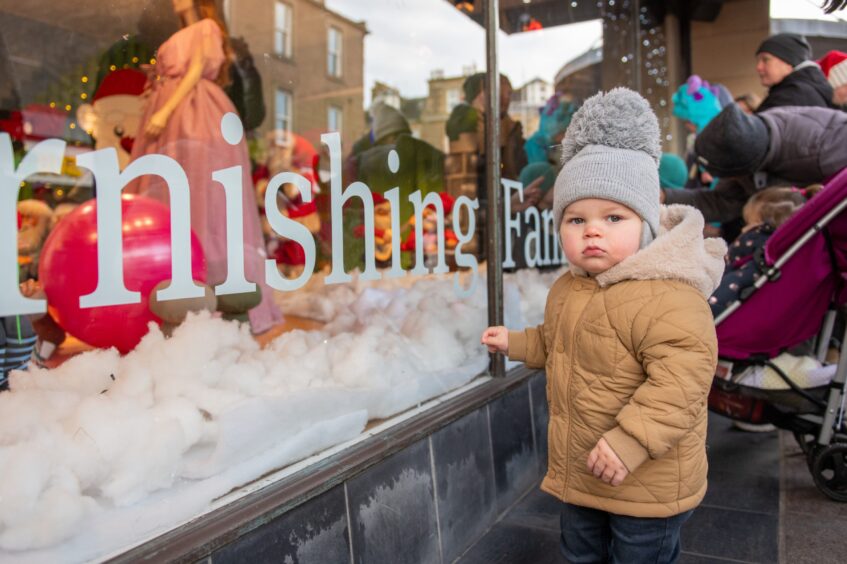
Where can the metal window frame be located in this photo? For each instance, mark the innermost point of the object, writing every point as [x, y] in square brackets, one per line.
[494, 226]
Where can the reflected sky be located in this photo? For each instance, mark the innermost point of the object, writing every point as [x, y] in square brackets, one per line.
[432, 34]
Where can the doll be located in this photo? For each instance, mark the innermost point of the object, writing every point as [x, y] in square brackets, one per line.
[182, 120]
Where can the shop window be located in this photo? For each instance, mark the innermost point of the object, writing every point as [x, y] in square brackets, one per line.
[334, 118]
[333, 61]
[196, 334]
[283, 110]
[453, 99]
[282, 29]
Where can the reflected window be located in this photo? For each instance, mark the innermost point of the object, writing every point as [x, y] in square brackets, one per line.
[282, 29]
[333, 61]
[453, 98]
[283, 110]
[334, 118]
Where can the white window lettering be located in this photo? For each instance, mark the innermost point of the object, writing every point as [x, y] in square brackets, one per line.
[290, 229]
[44, 157]
[511, 224]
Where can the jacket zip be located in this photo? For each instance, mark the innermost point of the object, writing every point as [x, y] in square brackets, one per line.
[570, 385]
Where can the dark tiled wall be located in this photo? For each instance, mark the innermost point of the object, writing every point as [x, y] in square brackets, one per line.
[424, 504]
[465, 482]
[392, 510]
[314, 532]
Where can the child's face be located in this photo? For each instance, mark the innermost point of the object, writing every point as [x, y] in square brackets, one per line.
[598, 234]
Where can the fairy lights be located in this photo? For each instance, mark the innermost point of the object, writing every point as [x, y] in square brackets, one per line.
[640, 45]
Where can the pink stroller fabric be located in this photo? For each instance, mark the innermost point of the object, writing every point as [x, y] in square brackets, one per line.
[786, 312]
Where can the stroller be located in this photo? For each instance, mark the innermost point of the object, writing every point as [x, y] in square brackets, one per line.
[798, 295]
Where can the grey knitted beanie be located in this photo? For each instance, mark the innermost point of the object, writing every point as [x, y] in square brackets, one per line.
[611, 151]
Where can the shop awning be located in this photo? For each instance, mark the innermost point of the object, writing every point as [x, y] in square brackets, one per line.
[518, 16]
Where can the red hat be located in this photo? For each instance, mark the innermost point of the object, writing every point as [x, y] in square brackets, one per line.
[834, 67]
[378, 198]
[448, 201]
[12, 122]
[409, 243]
[129, 82]
[290, 253]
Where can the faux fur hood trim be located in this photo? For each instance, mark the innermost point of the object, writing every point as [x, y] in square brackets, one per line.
[679, 252]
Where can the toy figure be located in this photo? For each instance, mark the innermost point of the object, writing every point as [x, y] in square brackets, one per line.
[182, 120]
[114, 114]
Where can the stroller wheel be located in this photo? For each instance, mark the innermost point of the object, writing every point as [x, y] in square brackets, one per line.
[829, 470]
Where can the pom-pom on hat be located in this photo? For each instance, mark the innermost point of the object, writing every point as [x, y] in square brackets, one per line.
[611, 152]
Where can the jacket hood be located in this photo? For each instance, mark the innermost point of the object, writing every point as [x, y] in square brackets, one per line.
[679, 252]
[811, 72]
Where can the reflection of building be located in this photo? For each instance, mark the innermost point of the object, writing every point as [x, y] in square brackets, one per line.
[385, 94]
[312, 64]
[444, 95]
[527, 101]
[581, 78]
[823, 36]
[427, 116]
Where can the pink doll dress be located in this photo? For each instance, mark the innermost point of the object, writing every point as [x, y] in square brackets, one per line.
[193, 138]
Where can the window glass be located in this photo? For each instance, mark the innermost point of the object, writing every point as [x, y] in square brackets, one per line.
[334, 118]
[282, 29]
[244, 230]
[334, 41]
[453, 98]
[284, 109]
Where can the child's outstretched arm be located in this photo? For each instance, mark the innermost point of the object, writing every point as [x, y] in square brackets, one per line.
[524, 346]
[496, 339]
[530, 345]
[674, 339]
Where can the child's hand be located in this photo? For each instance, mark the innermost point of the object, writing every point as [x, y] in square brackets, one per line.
[605, 464]
[32, 289]
[496, 339]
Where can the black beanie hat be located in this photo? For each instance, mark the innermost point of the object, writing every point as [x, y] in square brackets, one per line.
[733, 144]
[790, 47]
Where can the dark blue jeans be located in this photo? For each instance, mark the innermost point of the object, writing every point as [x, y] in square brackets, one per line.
[590, 536]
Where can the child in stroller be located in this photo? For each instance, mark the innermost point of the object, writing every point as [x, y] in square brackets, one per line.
[763, 213]
[798, 289]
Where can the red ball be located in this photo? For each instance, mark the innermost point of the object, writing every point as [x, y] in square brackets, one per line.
[68, 270]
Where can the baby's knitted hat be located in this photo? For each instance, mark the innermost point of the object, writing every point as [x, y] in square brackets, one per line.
[611, 151]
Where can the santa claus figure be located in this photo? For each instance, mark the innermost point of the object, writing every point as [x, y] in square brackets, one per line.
[33, 227]
[430, 233]
[288, 152]
[382, 230]
[114, 115]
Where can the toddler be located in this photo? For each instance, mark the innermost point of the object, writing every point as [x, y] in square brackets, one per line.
[628, 343]
[763, 213]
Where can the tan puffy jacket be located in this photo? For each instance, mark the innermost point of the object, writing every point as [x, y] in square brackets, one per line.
[630, 356]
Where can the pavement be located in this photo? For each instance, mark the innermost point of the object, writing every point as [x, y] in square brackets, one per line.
[761, 506]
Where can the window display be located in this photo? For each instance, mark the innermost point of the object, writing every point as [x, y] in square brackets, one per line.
[243, 228]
